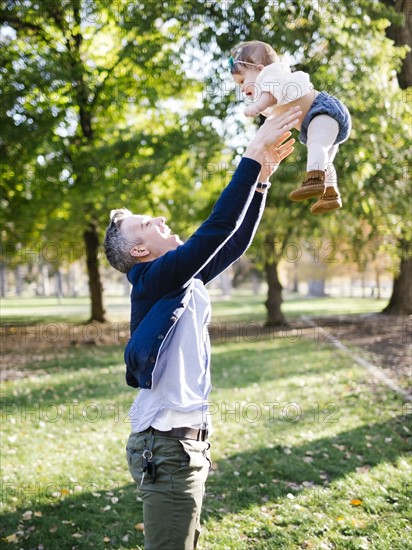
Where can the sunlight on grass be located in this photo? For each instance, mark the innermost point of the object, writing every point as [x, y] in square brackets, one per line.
[242, 306]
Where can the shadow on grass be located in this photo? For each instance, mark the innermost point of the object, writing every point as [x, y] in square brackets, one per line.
[84, 374]
[270, 474]
[91, 373]
[89, 517]
[275, 360]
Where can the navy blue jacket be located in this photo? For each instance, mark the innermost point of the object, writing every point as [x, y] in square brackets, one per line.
[162, 287]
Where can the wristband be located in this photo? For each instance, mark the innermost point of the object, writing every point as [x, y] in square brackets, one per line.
[263, 186]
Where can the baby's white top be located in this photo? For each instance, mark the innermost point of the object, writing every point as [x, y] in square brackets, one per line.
[284, 85]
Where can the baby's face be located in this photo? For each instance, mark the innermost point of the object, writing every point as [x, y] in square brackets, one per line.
[246, 80]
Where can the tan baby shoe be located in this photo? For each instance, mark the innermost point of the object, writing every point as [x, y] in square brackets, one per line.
[330, 200]
[313, 186]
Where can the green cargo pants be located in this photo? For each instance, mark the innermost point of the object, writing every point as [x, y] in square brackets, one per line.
[173, 503]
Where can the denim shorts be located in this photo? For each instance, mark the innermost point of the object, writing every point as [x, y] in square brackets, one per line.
[326, 104]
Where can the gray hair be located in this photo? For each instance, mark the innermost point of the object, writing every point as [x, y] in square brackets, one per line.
[116, 246]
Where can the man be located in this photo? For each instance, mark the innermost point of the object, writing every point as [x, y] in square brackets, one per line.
[168, 352]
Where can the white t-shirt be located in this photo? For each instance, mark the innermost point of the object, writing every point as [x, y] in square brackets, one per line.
[285, 86]
[181, 378]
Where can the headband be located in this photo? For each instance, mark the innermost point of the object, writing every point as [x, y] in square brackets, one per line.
[233, 61]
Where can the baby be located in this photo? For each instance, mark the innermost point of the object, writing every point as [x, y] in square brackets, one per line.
[324, 124]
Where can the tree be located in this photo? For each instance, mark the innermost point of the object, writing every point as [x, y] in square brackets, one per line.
[401, 34]
[88, 113]
[87, 120]
[340, 44]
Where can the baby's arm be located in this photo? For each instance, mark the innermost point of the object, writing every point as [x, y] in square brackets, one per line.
[266, 100]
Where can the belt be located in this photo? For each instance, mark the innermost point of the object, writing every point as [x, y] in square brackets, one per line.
[181, 433]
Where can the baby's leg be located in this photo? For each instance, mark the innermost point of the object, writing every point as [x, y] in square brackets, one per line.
[322, 133]
[321, 175]
[265, 100]
[330, 199]
[331, 178]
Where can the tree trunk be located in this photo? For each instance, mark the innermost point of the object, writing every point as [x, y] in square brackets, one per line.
[400, 302]
[316, 287]
[91, 239]
[378, 285]
[273, 304]
[58, 283]
[295, 282]
[401, 35]
[19, 280]
[3, 279]
[43, 281]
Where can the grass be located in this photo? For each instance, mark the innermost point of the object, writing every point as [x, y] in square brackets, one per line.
[243, 305]
[41, 309]
[248, 307]
[308, 452]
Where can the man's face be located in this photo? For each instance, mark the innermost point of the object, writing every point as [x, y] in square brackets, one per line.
[246, 80]
[153, 234]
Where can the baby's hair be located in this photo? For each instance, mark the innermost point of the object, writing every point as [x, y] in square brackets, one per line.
[253, 52]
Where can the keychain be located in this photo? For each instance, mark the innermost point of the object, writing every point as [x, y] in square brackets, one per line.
[148, 466]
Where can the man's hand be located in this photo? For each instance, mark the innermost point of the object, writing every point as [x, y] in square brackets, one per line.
[273, 156]
[272, 132]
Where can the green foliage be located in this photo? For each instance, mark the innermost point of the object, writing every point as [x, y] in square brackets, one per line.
[343, 46]
[98, 110]
[123, 105]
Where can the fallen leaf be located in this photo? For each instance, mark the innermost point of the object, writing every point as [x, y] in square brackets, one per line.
[307, 459]
[77, 535]
[362, 469]
[308, 483]
[125, 538]
[38, 514]
[106, 508]
[11, 538]
[27, 515]
[106, 539]
[139, 526]
[356, 502]
[53, 529]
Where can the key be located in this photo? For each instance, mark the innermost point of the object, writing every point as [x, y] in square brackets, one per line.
[151, 470]
[146, 457]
